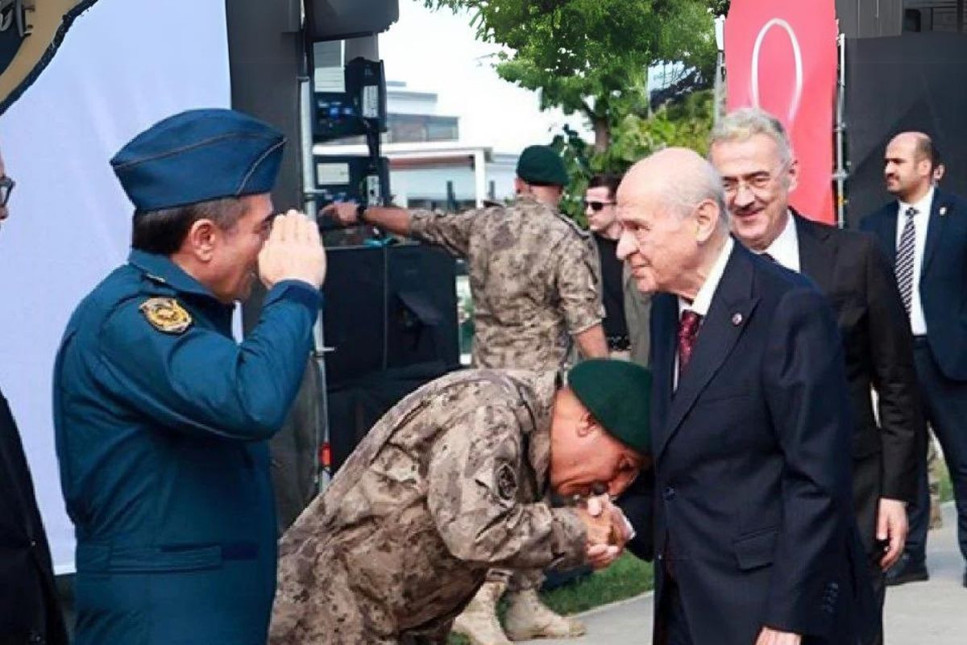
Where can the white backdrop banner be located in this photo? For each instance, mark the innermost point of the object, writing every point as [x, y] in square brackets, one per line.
[124, 65]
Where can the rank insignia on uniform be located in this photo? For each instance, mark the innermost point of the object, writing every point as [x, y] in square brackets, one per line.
[165, 314]
[506, 482]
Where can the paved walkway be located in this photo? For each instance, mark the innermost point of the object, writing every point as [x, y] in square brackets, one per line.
[921, 613]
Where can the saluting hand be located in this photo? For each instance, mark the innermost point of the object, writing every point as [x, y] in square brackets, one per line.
[293, 251]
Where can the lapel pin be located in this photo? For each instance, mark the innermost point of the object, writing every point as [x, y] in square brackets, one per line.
[943, 211]
[736, 319]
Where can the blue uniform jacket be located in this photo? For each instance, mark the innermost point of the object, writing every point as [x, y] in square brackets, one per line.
[164, 462]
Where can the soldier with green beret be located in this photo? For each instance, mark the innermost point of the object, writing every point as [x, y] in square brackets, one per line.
[533, 272]
[536, 288]
[454, 480]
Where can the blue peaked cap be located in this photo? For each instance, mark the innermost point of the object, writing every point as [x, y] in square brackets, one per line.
[197, 156]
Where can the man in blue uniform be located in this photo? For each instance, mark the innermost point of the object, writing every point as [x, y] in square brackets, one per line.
[162, 419]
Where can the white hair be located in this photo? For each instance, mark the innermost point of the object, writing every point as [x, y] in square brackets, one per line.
[682, 198]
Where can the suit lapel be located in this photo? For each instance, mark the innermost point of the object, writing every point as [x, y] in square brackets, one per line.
[664, 346]
[887, 225]
[731, 307]
[934, 229]
[816, 257]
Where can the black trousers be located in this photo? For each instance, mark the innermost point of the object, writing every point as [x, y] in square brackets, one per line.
[673, 621]
[945, 408]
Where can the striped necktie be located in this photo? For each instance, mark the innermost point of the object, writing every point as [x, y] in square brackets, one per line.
[905, 253]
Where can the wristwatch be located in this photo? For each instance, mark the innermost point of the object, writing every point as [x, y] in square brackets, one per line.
[361, 212]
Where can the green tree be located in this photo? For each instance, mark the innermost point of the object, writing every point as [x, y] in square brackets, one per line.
[719, 7]
[592, 56]
[687, 123]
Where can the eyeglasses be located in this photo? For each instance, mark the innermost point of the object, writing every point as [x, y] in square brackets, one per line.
[757, 183]
[596, 206]
[6, 187]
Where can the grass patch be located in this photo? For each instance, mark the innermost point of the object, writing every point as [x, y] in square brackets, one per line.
[626, 578]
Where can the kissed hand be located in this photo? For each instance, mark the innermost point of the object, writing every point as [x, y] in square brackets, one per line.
[774, 637]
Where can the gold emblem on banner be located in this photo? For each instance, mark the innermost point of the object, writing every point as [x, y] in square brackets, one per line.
[165, 314]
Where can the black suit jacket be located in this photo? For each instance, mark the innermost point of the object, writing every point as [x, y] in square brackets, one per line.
[943, 277]
[752, 474]
[856, 277]
[29, 606]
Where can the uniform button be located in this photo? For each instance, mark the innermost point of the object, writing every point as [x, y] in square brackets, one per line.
[668, 494]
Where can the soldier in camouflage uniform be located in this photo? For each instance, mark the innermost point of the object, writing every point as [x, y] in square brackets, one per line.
[535, 282]
[533, 272]
[451, 481]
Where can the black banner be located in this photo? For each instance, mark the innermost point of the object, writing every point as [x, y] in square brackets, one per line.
[909, 82]
[30, 33]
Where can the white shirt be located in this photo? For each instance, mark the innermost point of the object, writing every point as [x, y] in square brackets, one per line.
[785, 248]
[918, 323]
[703, 299]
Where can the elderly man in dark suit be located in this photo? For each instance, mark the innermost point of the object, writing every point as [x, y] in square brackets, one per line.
[924, 233]
[751, 151]
[754, 533]
[29, 607]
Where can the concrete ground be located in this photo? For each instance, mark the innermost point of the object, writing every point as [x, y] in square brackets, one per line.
[933, 612]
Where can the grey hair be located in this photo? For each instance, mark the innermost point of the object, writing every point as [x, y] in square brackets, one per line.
[745, 123]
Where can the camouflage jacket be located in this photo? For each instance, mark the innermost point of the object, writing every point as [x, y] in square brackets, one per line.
[447, 484]
[534, 278]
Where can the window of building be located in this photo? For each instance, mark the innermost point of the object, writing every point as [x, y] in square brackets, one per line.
[934, 15]
[419, 128]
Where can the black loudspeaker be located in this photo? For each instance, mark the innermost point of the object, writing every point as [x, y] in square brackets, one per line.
[390, 315]
[341, 19]
[387, 308]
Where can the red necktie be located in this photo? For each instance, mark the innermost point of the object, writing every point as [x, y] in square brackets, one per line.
[687, 335]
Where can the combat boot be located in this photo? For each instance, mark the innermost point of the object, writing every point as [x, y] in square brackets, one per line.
[478, 622]
[527, 617]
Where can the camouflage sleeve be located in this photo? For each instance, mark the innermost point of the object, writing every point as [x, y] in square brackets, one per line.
[578, 282]
[475, 497]
[452, 232]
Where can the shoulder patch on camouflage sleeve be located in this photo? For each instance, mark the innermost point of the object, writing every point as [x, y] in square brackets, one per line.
[506, 483]
[166, 315]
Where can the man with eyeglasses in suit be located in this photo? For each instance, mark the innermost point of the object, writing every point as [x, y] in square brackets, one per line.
[29, 606]
[626, 308]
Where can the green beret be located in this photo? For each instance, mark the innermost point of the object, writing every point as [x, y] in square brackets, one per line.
[542, 166]
[618, 394]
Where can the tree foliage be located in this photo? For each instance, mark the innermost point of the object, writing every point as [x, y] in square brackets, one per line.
[687, 124]
[592, 56]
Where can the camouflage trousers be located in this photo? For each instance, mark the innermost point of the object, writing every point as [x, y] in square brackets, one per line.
[333, 611]
[517, 580]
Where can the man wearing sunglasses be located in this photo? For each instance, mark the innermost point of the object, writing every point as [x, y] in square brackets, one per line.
[29, 606]
[627, 309]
